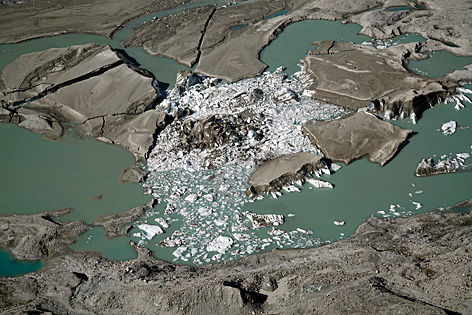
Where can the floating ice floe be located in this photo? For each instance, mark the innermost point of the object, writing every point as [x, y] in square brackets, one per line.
[149, 231]
[204, 211]
[191, 198]
[261, 220]
[242, 237]
[291, 188]
[335, 167]
[318, 183]
[417, 205]
[264, 114]
[220, 244]
[162, 222]
[339, 222]
[275, 232]
[449, 127]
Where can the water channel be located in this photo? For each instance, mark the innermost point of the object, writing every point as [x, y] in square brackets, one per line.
[40, 175]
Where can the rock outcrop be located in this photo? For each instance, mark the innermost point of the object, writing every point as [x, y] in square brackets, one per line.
[419, 264]
[91, 88]
[447, 22]
[355, 136]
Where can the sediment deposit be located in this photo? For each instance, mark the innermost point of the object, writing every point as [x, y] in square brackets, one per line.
[357, 76]
[355, 136]
[415, 265]
[92, 87]
[24, 20]
[276, 173]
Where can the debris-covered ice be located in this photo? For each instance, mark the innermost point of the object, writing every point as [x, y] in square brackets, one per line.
[449, 127]
[260, 220]
[201, 163]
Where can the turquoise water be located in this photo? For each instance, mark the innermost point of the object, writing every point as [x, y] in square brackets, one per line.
[40, 175]
[439, 64]
[12, 267]
[117, 248]
[361, 189]
[278, 13]
[295, 41]
[43, 175]
[238, 27]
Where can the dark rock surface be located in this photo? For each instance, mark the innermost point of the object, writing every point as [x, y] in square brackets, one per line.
[417, 265]
[113, 223]
[355, 136]
[132, 174]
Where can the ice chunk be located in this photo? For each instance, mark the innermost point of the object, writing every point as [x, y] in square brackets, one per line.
[220, 244]
[191, 198]
[149, 231]
[463, 155]
[241, 236]
[291, 188]
[449, 128]
[335, 167]
[260, 220]
[417, 204]
[318, 183]
[275, 232]
[339, 222]
[209, 197]
[162, 222]
[204, 211]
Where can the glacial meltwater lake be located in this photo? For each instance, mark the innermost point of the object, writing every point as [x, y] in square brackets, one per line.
[40, 175]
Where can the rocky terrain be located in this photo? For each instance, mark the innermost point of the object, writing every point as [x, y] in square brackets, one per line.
[415, 265]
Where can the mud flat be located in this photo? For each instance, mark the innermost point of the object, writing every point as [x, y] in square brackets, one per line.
[92, 87]
[50, 18]
[417, 265]
[355, 136]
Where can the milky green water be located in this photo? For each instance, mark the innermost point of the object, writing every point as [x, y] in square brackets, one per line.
[295, 41]
[39, 175]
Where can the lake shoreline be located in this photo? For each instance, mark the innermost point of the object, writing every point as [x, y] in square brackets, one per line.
[400, 260]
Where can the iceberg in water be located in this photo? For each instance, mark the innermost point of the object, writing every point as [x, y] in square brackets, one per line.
[149, 231]
[220, 244]
[449, 127]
